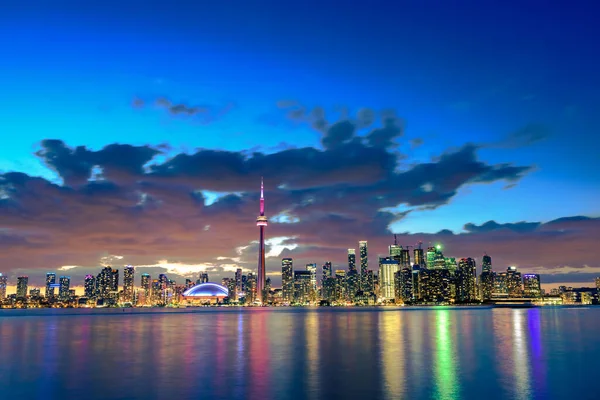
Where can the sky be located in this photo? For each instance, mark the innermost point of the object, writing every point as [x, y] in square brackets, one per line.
[137, 134]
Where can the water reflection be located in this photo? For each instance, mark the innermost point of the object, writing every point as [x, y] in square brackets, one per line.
[392, 354]
[445, 364]
[521, 354]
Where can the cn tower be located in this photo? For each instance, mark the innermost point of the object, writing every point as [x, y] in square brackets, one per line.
[261, 222]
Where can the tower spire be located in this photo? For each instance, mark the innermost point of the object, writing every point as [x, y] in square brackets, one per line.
[262, 197]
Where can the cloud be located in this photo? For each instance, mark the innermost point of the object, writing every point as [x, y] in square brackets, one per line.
[202, 113]
[525, 136]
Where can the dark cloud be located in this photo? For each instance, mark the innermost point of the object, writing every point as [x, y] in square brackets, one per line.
[204, 114]
[521, 227]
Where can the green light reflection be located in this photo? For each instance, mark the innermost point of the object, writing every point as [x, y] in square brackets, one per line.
[446, 384]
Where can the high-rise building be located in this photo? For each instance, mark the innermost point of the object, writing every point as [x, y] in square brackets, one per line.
[434, 285]
[340, 285]
[3, 284]
[50, 281]
[89, 286]
[352, 284]
[351, 259]
[312, 268]
[598, 287]
[403, 285]
[486, 279]
[302, 286]
[287, 280]
[364, 264]
[418, 257]
[261, 222]
[35, 292]
[114, 280]
[128, 282]
[395, 249]
[63, 291]
[203, 277]
[327, 270]
[431, 254]
[22, 286]
[514, 283]
[146, 287]
[387, 270]
[532, 286]
[229, 283]
[405, 258]
[250, 288]
[238, 280]
[500, 285]
[466, 281]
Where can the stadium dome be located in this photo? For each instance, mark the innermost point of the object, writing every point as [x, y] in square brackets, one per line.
[207, 290]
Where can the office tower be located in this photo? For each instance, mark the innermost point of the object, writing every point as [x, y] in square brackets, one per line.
[486, 279]
[312, 268]
[302, 286]
[403, 285]
[163, 281]
[418, 256]
[370, 281]
[250, 288]
[514, 283]
[3, 284]
[261, 222]
[327, 270]
[351, 259]
[50, 281]
[146, 286]
[35, 292]
[188, 283]
[157, 293]
[500, 285]
[340, 285]
[287, 280]
[128, 283]
[466, 278]
[63, 291]
[450, 264]
[434, 285]
[229, 283]
[89, 286]
[203, 277]
[532, 286]
[105, 281]
[387, 272]
[238, 280]
[416, 287]
[364, 264]
[405, 258]
[244, 283]
[598, 287]
[114, 280]
[22, 286]
[431, 253]
[395, 249]
[352, 284]
[329, 288]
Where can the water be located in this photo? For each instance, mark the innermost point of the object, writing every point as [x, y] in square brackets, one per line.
[435, 353]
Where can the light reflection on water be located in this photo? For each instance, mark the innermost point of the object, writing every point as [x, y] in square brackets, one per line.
[435, 353]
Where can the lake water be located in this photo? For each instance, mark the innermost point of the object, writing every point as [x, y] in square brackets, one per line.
[433, 353]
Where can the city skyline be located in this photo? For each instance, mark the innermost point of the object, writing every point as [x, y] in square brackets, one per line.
[147, 153]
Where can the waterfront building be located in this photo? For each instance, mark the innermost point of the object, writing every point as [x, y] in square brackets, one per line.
[431, 254]
[418, 257]
[466, 279]
[395, 250]
[486, 279]
[238, 280]
[405, 258]
[302, 286]
[327, 270]
[89, 286]
[63, 291]
[532, 286]
[341, 291]
[35, 292]
[250, 288]
[22, 282]
[3, 284]
[434, 285]
[514, 282]
[387, 271]
[146, 288]
[351, 260]
[128, 283]
[205, 293]
[50, 282]
[287, 280]
[229, 283]
[364, 264]
[261, 222]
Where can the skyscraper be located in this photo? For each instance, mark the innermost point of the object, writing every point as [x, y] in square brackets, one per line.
[531, 286]
[238, 280]
[387, 273]
[22, 286]
[340, 285]
[287, 279]
[261, 222]
[431, 253]
[145, 284]
[514, 282]
[351, 259]
[486, 278]
[89, 286]
[50, 281]
[312, 268]
[418, 256]
[395, 249]
[302, 286]
[63, 290]
[3, 284]
[203, 277]
[466, 287]
[364, 264]
[128, 279]
[114, 280]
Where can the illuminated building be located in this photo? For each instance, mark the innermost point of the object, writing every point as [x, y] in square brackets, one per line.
[340, 285]
[500, 285]
[50, 280]
[486, 278]
[370, 281]
[403, 285]
[466, 281]
[22, 286]
[3, 284]
[146, 287]
[351, 282]
[431, 253]
[205, 293]
[351, 259]
[89, 286]
[261, 222]
[514, 283]
[63, 291]
[532, 286]
[114, 280]
[327, 270]
[387, 270]
[329, 289]
[364, 264]
[128, 283]
[287, 279]
[238, 280]
[434, 285]
[395, 250]
[405, 258]
[418, 257]
[312, 268]
[189, 283]
[203, 277]
[35, 292]
[302, 286]
[157, 292]
[229, 283]
[250, 288]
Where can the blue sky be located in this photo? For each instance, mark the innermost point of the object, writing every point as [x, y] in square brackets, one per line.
[456, 72]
